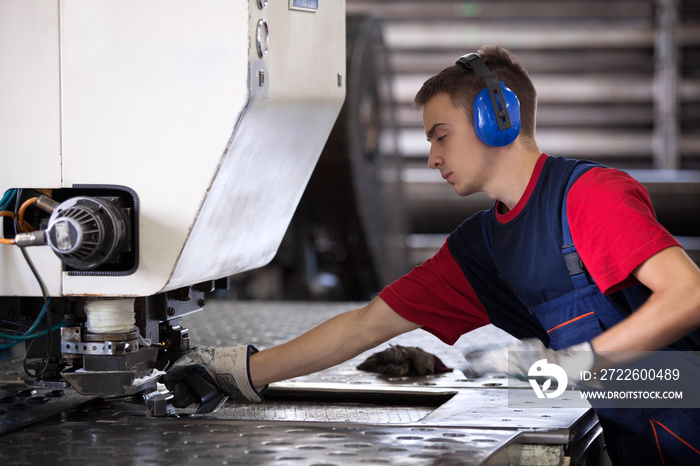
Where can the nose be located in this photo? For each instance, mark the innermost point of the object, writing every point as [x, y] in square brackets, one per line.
[434, 160]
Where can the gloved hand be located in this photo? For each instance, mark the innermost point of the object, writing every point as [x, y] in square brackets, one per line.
[205, 369]
[517, 359]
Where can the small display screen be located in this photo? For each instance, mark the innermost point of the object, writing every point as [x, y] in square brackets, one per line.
[307, 5]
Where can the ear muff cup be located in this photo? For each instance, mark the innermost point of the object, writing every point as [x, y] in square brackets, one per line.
[486, 122]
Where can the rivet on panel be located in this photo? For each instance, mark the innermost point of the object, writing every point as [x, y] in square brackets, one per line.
[262, 37]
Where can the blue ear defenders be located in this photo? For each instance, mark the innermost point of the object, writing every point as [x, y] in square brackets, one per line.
[496, 108]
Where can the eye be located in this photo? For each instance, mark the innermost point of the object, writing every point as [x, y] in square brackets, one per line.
[441, 138]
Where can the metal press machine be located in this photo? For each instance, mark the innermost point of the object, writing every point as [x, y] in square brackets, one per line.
[150, 148]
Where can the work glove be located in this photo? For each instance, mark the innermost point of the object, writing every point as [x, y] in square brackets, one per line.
[518, 360]
[211, 375]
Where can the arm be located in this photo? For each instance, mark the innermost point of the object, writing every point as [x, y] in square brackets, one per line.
[619, 239]
[337, 340]
[433, 297]
[671, 311]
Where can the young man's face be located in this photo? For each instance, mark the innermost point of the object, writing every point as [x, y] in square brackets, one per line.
[455, 149]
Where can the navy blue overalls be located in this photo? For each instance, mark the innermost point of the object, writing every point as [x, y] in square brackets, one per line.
[534, 257]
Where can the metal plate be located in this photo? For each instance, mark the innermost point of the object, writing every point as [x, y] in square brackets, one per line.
[21, 405]
[339, 416]
[92, 438]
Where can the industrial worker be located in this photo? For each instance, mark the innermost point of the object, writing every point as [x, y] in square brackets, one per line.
[570, 256]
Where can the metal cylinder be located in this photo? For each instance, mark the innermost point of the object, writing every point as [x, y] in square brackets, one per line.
[32, 238]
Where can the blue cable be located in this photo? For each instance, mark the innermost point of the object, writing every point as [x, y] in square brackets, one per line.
[20, 338]
[8, 199]
[39, 317]
[32, 328]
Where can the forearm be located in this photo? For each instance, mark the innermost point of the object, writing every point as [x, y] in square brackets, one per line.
[672, 311]
[653, 326]
[336, 340]
[313, 351]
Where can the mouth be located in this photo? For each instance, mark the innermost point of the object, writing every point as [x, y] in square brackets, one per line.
[446, 176]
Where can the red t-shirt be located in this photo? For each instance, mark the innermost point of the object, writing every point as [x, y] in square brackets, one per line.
[609, 207]
[612, 223]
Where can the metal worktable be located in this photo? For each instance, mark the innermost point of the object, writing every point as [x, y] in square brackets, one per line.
[339, 416]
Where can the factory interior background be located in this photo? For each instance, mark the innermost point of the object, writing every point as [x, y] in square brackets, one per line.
[618, 83]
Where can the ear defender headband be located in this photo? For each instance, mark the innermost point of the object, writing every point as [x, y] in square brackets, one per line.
[496, 108]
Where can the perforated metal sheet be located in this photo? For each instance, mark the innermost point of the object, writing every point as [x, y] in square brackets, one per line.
[92, 438]
[447, 419]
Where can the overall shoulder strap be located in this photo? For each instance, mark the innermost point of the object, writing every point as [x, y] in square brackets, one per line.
[577, 271]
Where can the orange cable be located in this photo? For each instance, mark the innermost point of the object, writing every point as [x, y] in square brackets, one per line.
[7, 213]
[20, 214]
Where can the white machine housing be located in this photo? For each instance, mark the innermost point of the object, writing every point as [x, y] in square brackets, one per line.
[214, 112]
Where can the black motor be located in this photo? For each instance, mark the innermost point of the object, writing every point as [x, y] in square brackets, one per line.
[85, 232]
